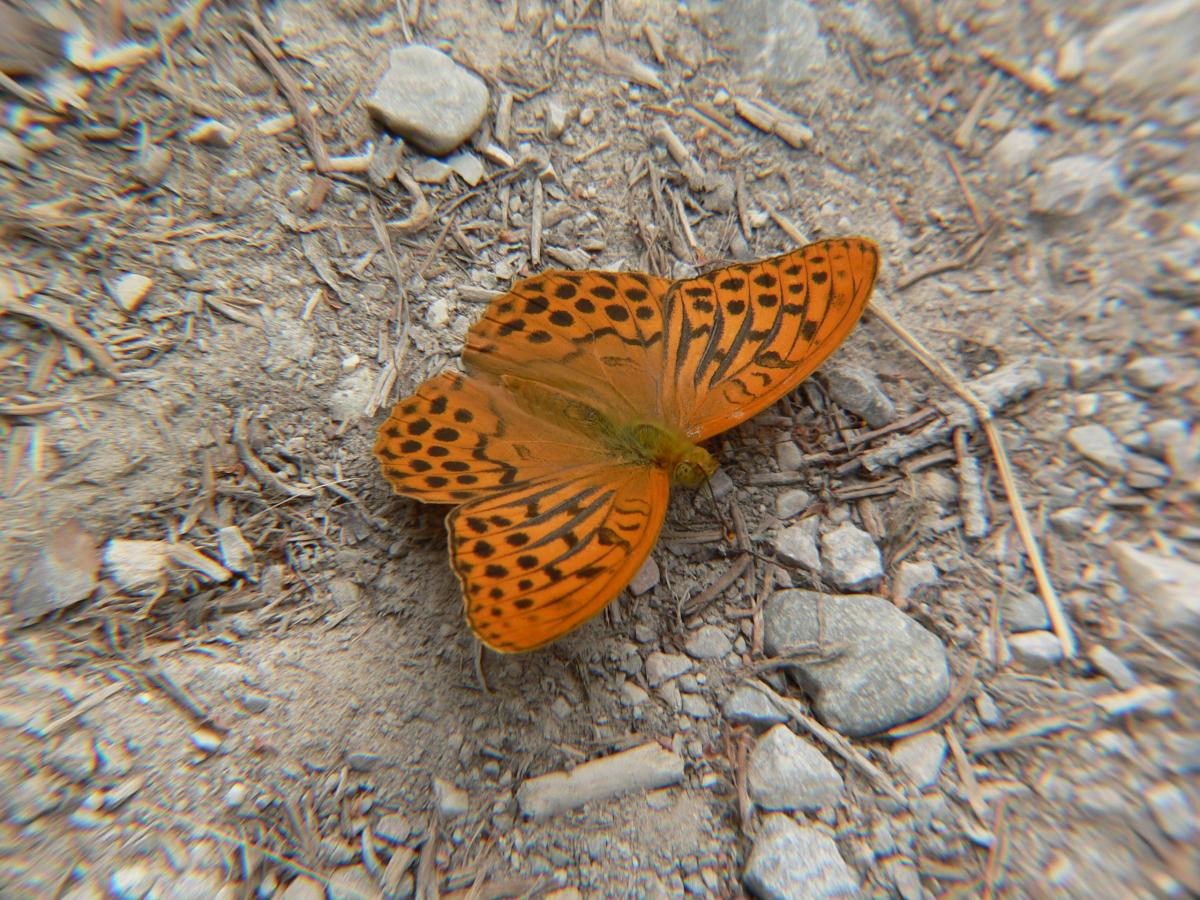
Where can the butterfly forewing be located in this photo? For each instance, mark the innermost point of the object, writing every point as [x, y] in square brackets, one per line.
[597, 335]
[537, 561]
[739, 338]
[458, 437]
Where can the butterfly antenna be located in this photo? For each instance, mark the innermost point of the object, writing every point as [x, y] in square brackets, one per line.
[726, 528]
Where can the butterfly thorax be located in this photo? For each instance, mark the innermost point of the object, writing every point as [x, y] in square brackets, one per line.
[643, 443]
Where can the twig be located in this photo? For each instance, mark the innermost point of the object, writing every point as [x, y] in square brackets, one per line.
[62, 327]
[961, 690]
[389, 252]
[699, 602]
[89, 702]
[1054, 608]
[255, 466]
[966, 774]
[535, 223]
[970, 488]
[968, 197]
[962, 135]
[831, 739]
[295, 99]
[153, 671]
[45, 406]
[998, 854]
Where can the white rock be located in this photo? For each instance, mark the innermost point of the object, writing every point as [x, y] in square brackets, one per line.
[1012, 155]
[708, 642]
[797, 544]
[1150, 372]
[1167, 584]
[236, 552]
[662, 667]
[130, 290]
[790, 861]
[850, 558]
[136, 565]
[451, 801]
[792, 502]
[632, 695]
[1074, 185]
[785, 772]
[1097, 444]
[467, 166]
[911, 575]
[921, 757]
[349, 399]
[1036, 650]
[1173, 812]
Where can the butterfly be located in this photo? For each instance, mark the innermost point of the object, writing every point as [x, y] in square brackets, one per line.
[586, 395]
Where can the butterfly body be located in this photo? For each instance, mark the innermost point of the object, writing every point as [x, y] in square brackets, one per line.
[585, 396]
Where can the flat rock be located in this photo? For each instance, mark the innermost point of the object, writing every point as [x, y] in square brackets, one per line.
[1167, 584]
[797, 544]
[792, 502]
[304, 888]
[353, 883]
[1173, 812]
[793, 862]
[1112, 667]
[64, 572]
[1150, 372]
[451, 800]
[428, 99]
[921, 757]
[890, 669]
[1012, 155]
[1023, 611]
[643, 768]
[662, 667]
[1036, 650]
[708, 642]
[857, 390]
[911, 576]
[74, 756]
[1097, 444]
[850, 558]
[1147, 52]
[778, 40]
[787, 773]
[646, 579]
[746, 706]
[1074, 185]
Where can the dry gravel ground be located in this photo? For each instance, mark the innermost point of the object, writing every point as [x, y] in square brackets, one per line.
[266, 684]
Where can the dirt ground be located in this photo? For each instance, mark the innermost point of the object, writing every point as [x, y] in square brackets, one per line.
[204, 727]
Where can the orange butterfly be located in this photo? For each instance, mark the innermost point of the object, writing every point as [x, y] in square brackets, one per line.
[586, 395]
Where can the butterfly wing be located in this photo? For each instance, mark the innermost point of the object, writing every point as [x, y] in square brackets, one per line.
[739, 338]
[459, 437]
[538, 560]
[595, 335]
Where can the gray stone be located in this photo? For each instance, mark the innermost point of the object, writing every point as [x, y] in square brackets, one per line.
[1097, 444]
[1145, 53]
[134, 881]
[793, 862]
[858, 391]
[797, 544]
[1012, 155]
[1167, 436]
[632, 694]
[31, 797]
[304, 888]
[646, 579]
[191, 886]
[921, 757]
[746, 706]
[1173, 812]
[1112, 666]
[792, 502]
[785, 772]
[362, 761]
[1070, 521]
[912, 576]
[74, 757]
[989, 712]
[1036, 650]
[1167, 584]
[353, 883]
[254, 702]
[467, 166]
[721, 484]
[778, 40]
[708, 642]
[428, 99]
[850, 558]
[451, 800]
[789, 456]
[1074, 185]
[1144, 473]
[696, 706]
[1150, 372]
[1023, 611]
[349, 399]
[662, 667]
[889, 670]
[64, 572]
[394, 828]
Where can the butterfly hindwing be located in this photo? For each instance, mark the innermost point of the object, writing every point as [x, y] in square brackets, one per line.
[739, 338]
[537, 561]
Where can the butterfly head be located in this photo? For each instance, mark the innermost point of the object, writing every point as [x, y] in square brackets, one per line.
[695, 468]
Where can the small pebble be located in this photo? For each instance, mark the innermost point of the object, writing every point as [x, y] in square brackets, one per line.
[662, 667]
[236, 795]
[857, 390]
[746, 706]
[911, 576]
[921, 757]
[213, 133]
[790, 860]
[1173, 812]
[451, 801]
[1036, 650]
[206, 740]
[646, 579]
[1023, 611]
[1113, 667]
[850, 558]
[708, 642]
[785, 772]
[1097, 444]
[1074, 185]
[797, 544]
[792, 502]
[130, 290]
[1149, 373]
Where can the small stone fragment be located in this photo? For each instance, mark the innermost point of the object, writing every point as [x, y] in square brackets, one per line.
[911, 576]
[1012, 155]
[1074, 185]
[451, 801]
[662, 667]
[212, 133]
[1036, 650]
[136, 565]
[789, 456]
[646, 579]
[236, 795]
[1167, 584]
[1069, 65]
[1023, 611]
[921, 757]
[304, 888]
[708, 642]
[786, 773]
[236, 552]
[1071, 520]
[74, 757]
[643, 768]
[857, 390]
[130, 290]
[431, 171]
[64, 572]
[206, 740]
[746, 706]
[850, 558]
[1097, 444]
[353, 883]
[394, 828]
[797, 544]
[1112, 666]
[792, 861]
[557, 118]
[1173, 812]
[253, 702]
[695, 706]
[792, 502]
[428, 99]
[467, 166]
[134, 881]
[1150, 373]
[633, 695]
